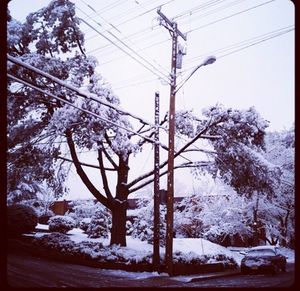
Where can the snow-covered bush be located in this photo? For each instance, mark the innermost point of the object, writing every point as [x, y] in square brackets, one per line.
[192, 258]
[44, 218]
[116, 253]
[143, 224]
[84, 223]
[63, 244]
[186, 221]
[129, 227]
[91, 250]
[56, 241]
[81, 209]
[60, 223]
[100, 224]
[20, 219]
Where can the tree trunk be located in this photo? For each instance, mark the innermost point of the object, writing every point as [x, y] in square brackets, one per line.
[118, 230]
[119, 209]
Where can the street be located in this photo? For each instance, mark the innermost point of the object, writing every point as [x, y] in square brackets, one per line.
[26, 270]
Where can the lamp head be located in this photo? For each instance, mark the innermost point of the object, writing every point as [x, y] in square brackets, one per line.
[209, 60]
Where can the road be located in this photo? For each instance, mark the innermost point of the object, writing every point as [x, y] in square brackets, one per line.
[26, 270]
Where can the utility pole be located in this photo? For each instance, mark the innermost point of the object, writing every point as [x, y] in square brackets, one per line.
[156, 229]
[172, 27]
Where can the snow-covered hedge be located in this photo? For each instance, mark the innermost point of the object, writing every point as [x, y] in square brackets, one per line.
[91, 250]
[20, 219]
[195, 259]
[60, 223]
[84, 223]
[63, 244]
[117, 254]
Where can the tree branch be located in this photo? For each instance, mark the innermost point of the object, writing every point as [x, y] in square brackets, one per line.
[101, 198]
[146, 175]
[84, 164]
[184, 165]
[110, 159]
[104, 177]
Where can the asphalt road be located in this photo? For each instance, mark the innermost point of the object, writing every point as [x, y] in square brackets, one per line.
[26, 270]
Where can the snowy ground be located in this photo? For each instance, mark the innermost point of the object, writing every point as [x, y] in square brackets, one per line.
[185, 245]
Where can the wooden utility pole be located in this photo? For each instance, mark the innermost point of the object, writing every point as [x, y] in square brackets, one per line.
[156, 229]
[172, 27]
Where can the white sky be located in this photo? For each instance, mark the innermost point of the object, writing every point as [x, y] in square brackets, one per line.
[261, 75]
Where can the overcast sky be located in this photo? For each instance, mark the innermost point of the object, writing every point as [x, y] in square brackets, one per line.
[253, 41]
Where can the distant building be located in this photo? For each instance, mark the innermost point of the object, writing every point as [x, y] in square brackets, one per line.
[61, 207]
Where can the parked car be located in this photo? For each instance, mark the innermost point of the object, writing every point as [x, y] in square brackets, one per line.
[263, 259]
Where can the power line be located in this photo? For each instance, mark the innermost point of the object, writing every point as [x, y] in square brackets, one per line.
[196, 8]
[146, 12]
[126, 13]
[230, 16]
[185, 13]
[81, 109]
[78, 91]
[110, 6]
[193, 11]
[131, 56]
[190, 31]
[234, 47]
[208, 13]
[91, 113]
[275, 33]
[122, 41]
[257, 42]
[245, 44]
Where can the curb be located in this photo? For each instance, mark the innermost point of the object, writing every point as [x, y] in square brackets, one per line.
[214, 275]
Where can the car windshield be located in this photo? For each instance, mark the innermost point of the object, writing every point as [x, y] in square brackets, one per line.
[262, 252]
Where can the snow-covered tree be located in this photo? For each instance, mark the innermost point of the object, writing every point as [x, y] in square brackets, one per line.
[44, 113]
[239, 158]
[186, 217]
[215, 212]
[100, 224]
[280, 149]
[81, 209]
[143, 225]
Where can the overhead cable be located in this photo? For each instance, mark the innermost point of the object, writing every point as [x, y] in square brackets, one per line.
[78, 91]
[92, 113]
[233, 48]
[190, 31]
[126, 45]
[81, 109]
[165, 78]
[229, 16]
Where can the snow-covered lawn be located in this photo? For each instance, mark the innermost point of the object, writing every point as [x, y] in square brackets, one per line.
[185, 245]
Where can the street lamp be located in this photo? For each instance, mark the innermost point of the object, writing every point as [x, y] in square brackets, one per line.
[208, 61]
[170, 183]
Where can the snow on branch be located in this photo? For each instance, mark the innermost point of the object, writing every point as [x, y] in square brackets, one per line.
[78, 91]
